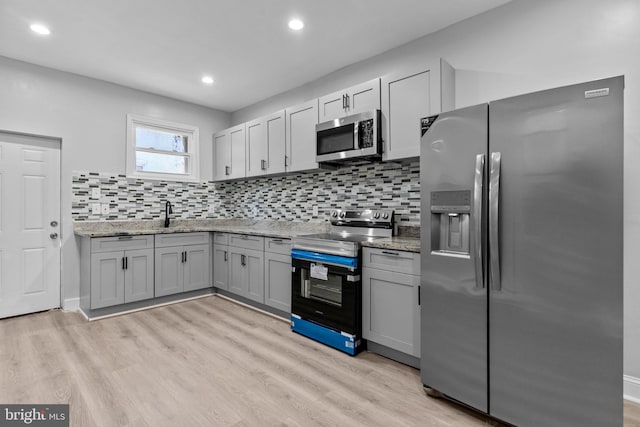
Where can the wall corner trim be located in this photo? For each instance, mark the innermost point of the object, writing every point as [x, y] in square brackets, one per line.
[631, 388]
[71, 304]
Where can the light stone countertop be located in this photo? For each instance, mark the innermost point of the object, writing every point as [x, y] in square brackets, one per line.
[398, 243]
[266, 228]
[279, 229]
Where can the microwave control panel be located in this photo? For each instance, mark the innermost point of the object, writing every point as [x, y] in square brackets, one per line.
[366, 133]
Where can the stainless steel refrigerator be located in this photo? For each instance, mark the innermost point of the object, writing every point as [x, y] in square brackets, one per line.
[521, 265]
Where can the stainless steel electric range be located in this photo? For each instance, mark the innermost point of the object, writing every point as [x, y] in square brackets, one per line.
[326, 297]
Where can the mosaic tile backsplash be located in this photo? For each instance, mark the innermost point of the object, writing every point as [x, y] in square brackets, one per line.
[292, 197]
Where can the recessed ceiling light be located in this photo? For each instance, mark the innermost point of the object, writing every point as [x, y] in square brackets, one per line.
[296, 24]
[40, 29]
[208, 80]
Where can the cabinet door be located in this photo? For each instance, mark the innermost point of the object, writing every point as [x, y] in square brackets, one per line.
[237, 271]
[237, 146]
[221, 156]
[277, 281]
[406, 98]
[332, 106]
[196, 267]
[107, 279]
[254, 266]
[275, 127]
[221, 266]
[301, 124]
[390, 310]
[256, 155]
[364, 97]
[138, 275]
[169, 271]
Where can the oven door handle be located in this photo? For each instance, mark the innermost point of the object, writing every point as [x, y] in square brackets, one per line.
[337, 260]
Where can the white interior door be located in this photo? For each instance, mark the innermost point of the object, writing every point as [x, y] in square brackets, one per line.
[29, 224]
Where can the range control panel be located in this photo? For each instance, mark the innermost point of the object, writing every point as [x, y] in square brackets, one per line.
[363, 218]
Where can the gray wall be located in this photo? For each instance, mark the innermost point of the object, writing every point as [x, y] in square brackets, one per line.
[522, 47]
[90, 117]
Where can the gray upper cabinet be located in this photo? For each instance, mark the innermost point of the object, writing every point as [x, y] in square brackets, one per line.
[229, 153]
[277, 273]
[301, 121]
[265, 152]
[362, 97]
[409, 95]
[390, 299]
[121, 270]
[181, 262]
[221, 156]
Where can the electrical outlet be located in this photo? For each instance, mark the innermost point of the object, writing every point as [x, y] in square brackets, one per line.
[95, 193]
[211, 209]
[95, 208]
[315, 210]
[105, 208]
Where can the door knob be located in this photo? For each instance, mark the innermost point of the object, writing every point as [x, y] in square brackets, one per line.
[53, 236]
[54, 223]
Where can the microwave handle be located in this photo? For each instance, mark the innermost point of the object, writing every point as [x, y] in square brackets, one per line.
[356, 139]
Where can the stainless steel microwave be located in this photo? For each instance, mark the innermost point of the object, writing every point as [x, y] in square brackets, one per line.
[349, 139]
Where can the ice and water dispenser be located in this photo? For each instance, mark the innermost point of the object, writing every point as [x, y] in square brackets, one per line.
[450, 212]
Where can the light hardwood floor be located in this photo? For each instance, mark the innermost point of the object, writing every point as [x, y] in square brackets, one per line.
[210, 362]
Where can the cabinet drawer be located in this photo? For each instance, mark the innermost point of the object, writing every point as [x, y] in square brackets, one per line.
[181, 239]
[121, 243]
[277, 246]
[221, 238]
[391, 260]
[246, 241]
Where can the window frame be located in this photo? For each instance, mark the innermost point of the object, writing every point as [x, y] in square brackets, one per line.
[192, 154]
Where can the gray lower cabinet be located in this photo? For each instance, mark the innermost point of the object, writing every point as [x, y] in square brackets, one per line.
[246, 266]
[277, 274]
[181, 262]
[390, 299]
[221, 266]
[120, 270]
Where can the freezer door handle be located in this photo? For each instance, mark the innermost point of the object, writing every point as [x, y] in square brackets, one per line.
[494, 230]
[477, 214]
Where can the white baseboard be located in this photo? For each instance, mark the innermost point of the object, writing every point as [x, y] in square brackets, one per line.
[71, 304]
[631, 388]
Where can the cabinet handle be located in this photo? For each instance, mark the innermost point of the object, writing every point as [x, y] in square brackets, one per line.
[185, 256]
[286, 161]
[182, 257]
[276, 240]
[419, 302]
[225, 256]
[126, 263]
[347, 99]
[227, 170]
[263, 165]
[125, 237]
[343, 103]
[243, 260]
[390, 253]
[123, 263]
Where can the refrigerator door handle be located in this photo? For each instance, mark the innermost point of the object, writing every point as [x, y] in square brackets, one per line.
[477, 214]
[494, 236]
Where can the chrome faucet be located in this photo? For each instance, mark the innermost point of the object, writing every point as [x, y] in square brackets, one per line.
[168, 210]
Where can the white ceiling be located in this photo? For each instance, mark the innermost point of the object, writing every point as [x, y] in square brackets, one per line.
[166, 46]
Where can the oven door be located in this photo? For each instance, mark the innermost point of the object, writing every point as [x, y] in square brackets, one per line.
[325, 293]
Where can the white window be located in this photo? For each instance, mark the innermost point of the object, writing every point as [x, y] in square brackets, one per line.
[159, 149]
